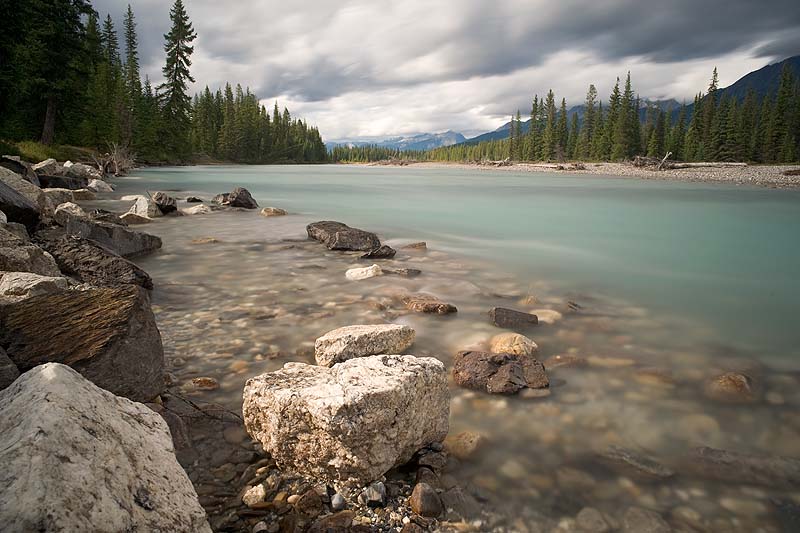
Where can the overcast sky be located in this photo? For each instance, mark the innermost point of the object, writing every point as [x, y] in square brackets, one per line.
[374, 68]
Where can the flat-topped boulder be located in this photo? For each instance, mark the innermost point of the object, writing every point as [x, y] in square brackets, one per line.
[338, 236]
[82, 171]
[498, 373]
[20, 285]
[503, 317]
[361, 340]
[108, 335]
[48, 166]
[122, 240]
[78, 458]
[351, 423]
[63, 182]
[15, 164]
[89, 262]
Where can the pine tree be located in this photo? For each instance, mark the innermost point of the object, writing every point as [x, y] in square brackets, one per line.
[624, 130]
[175, 102]
[589, 124]
[533, 133]
[572, 144]
[550, 135]
[655, 147]
[133, 83]
[562, 132]
[110, 43]
[709, 104]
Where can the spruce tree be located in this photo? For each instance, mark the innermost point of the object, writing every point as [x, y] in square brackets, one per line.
[550, 135]
[589, 123]
[175, 102]
[562, 132]
[133, 83]
[572, 143]
[110, 43]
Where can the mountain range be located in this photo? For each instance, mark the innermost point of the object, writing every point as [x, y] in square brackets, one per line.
[763, 81]
[422, 141]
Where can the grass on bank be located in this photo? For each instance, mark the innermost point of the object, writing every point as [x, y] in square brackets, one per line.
[35, 152]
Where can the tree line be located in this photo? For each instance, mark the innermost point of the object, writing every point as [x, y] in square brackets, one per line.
[762, 129]
[64, 78]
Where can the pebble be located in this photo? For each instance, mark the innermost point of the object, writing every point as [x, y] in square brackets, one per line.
[293, 499]
[254, 495]
[204, 383]
[425, 501]
[338, 502]
[639, 520]
[743, 507]
[374, 495]
[465, 444]
[591, 520]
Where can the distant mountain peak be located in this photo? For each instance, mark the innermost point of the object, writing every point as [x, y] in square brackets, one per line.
[419, 141]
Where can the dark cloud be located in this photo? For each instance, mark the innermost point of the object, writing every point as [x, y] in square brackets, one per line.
[317, 50]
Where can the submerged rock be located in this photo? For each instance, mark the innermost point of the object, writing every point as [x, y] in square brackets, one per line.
[425, 303]
[639, 520]
[200, 209]
[403, 272]
[511, 319]
[513, 343]
[350, 423]
[358, 341]
[108, 335]
[731, 387]
[464, 445]
[358, 274]
[630, 462]
[89, 262]
[194, 200]
[501, 373]
[338, 236]
[273, 212]
[768, 470]
[78, 458]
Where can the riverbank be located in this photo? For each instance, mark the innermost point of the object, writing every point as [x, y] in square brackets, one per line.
[759, 175]
[614, 443]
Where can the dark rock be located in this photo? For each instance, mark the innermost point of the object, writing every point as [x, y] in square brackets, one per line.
[220, 199]
[194, 200]
[334, 523]
[101, 215]
[63, 182]
[501, 373]
[511, 319]
[18, 208]
[240, 197]
[403, 272]
[108, 335]
[768, 470]
[424, 303]
[338, 236]
[166, 203]
[8, 370]
[120, 239]
[430, 459]
[788, 514]
[459, 505]
[90, 262]
[23, 168]
[309, 505]
[630, 462]
[426, 475]
[338, 502]
[382, 252]
[411, 527]
[425, 501]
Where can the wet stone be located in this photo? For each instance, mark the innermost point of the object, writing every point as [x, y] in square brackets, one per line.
[639, 520]
[503, 317]
[590, 520]
[635, 463]
[731, 387]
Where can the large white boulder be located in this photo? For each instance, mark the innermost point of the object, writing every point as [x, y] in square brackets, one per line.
[144, 206]
[78, 458]
[48, 166]
[66, 210]
[351, 423]
[357, 341]
[21, 285]
[96, 185]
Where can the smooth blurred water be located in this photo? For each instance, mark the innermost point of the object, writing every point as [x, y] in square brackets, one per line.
[726, 258]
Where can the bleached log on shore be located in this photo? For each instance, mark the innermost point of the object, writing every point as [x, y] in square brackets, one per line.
[708, 164]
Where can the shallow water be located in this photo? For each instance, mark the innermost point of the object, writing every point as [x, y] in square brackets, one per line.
[677, 282]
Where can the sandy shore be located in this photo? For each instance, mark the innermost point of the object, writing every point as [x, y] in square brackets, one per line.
[761, 175]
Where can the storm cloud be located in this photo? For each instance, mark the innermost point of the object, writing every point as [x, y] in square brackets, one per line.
[371, 67]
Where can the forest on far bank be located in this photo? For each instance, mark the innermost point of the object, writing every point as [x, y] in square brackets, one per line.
[65, 79]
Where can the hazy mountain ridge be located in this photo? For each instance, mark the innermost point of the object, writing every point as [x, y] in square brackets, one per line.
[421, 141]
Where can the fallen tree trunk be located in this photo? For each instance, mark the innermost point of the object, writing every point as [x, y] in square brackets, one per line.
[719, 164]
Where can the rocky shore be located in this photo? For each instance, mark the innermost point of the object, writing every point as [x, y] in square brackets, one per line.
[773, 176]
[351, 432]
